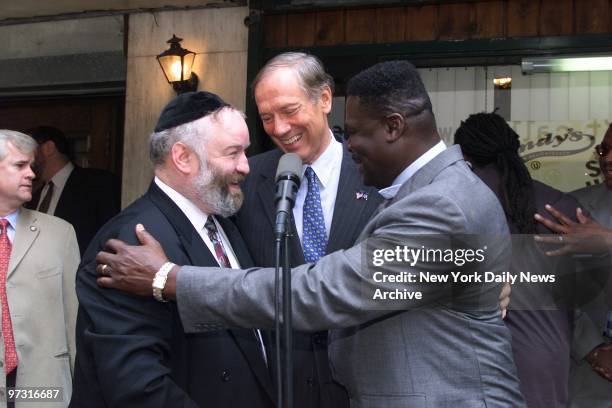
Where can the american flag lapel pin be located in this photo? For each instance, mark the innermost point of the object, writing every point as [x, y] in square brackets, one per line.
[361, 195]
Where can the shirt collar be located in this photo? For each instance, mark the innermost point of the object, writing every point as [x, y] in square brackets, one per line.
[390, 192]
[61, 177]
[196, 216]
[12, 218]
[324, 166]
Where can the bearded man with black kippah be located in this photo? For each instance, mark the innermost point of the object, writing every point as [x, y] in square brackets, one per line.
[132, 351]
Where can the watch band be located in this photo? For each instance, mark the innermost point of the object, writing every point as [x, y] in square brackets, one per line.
[159, 282]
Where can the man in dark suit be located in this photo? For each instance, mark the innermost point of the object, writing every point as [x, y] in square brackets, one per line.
[132, 351]
[294, 95]
[86, 198]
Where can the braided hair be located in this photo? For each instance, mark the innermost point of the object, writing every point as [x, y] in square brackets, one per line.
[486, 138]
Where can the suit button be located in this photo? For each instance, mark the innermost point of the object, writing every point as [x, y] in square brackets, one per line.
[225, 376]
[310, 381]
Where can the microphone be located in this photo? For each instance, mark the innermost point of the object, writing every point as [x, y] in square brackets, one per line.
[287, 184]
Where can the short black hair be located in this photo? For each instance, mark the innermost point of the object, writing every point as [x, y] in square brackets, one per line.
[391, 87]
[45, 133]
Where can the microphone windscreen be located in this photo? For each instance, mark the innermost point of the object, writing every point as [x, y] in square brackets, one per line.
[289, 163]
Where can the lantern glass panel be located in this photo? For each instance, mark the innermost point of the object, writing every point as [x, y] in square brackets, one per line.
[171, 64]
[187, 65]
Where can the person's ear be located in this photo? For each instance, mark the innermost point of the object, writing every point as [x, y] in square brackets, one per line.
[394, 126]
[326, 100]
[183, 158]
[46, 148]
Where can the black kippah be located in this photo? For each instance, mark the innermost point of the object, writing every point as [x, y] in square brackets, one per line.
[188, 107]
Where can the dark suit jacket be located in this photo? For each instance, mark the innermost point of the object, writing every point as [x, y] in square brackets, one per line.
[133, 352]
[314, 387]
[89, 199]
[541, 339]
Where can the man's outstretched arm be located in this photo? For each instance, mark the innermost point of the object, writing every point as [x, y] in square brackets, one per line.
[209, 299]
[336, 292]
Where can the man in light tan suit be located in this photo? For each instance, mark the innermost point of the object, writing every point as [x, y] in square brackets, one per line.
[39, 256]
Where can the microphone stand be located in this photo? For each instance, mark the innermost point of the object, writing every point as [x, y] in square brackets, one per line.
[285, 373]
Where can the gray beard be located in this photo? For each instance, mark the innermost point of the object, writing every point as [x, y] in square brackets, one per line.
[214, 194]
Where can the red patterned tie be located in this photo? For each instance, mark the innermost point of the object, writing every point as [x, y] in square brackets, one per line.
[10, 353]
[213, 234]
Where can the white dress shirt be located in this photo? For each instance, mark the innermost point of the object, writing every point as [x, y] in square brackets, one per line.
[327, 168]
[390, 192]
[59, 182]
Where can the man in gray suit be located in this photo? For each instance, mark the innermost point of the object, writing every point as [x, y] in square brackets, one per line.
[432, 351]
[590, 382]
[589, 349]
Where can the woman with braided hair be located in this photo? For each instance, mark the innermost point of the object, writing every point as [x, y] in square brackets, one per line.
[540, 338]
[488, 142]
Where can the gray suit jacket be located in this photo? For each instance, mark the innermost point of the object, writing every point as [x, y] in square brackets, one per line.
[587, 389]
[43, 304]
[597, 200]
[420, 356]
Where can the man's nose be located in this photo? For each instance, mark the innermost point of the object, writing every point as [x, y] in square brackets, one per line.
[281, 126]
[243, 165]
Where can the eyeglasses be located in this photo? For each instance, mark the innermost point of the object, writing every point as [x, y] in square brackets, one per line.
[602, 149]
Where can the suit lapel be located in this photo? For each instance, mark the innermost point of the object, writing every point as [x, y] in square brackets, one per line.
[189, 237]
[236, 242]
[427, 173]
[348, 210]
[251, 350]
[26, 232]
[246, 339]
[194, 245]
[600, 207]
[421, 178]
[266, 189]
[296, 252]
[63, 208]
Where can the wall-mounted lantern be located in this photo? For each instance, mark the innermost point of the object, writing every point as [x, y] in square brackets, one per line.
[176, 62]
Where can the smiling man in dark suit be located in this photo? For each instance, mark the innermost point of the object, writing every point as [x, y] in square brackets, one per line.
[294, 96]
[133, 352]
[84, 197]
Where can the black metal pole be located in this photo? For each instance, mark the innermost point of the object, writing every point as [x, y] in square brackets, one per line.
[277, 319]
[287, 326]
